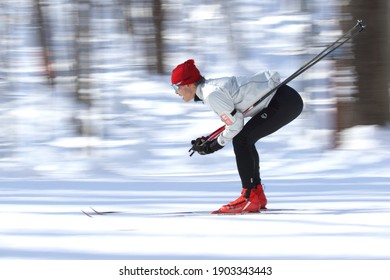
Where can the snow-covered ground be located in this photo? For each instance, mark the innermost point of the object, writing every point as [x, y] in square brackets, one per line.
[318, 219]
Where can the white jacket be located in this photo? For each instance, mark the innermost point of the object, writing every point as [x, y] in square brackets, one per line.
[224, 95]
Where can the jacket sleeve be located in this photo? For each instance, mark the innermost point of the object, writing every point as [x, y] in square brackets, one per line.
[223, 106]
[232, 130]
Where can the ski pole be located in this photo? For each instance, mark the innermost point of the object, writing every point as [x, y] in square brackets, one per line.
[359, 27]
[216, 133]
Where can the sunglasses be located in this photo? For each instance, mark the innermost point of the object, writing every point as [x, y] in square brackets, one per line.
[176, 86]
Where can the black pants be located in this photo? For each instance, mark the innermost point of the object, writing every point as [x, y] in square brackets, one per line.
[284, 107]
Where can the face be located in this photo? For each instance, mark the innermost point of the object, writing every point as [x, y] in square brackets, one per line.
[187, 92]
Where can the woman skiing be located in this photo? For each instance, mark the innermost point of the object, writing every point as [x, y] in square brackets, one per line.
[229, 98]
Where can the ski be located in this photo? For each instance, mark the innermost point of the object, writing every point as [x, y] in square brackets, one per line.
[105, 212]
[93, 212]
[86, 213]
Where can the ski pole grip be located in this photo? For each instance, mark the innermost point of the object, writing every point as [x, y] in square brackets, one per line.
[198, 142]
[211, 137]
[361, 25]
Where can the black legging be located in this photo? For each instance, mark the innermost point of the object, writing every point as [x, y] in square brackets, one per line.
[284, 107]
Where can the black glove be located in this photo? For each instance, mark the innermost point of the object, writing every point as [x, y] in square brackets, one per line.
[204, 147]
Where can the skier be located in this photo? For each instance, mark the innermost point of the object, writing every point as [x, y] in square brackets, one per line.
[229, 98]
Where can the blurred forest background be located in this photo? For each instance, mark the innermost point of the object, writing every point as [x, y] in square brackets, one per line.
[64, 64]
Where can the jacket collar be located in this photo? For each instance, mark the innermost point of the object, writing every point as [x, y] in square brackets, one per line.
[199, 93]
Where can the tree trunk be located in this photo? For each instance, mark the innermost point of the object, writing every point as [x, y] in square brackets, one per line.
[158, 20]
[44, 38]
[368, 104]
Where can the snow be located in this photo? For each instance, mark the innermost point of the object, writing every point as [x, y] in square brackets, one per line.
[329, 219]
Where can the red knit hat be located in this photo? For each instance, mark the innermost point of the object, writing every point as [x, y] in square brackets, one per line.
[185, 73]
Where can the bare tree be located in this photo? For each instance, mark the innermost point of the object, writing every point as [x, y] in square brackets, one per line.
[368, 101]
[82, 52]
[146, 26]
[126, 10]
[83, 68]
[45, 39]
[158, 21]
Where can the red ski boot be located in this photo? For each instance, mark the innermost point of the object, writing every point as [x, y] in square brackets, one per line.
[261, 196]
[244, 204]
